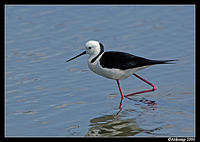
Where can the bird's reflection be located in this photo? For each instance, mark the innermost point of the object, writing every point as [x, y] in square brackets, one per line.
[111, 125]
[114, 125]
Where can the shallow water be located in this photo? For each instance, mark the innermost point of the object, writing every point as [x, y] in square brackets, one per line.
[45, 96]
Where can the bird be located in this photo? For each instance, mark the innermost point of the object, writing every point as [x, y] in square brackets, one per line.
[117, 65]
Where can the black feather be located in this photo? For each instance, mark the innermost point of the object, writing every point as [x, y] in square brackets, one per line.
[123, 61]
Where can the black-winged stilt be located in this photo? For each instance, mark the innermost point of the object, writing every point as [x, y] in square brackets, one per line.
[117, 65]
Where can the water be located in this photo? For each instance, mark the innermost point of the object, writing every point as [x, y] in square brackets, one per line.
[47, 97]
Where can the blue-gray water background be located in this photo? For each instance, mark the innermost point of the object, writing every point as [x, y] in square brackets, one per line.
[45, 96]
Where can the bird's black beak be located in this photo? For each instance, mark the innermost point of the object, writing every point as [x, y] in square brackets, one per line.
[76, 56]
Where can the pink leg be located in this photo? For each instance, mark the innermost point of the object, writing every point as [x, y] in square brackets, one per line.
[146, 101]
[122, 95]
[150, 90]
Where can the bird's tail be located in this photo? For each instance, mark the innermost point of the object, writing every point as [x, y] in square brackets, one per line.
[163, 61]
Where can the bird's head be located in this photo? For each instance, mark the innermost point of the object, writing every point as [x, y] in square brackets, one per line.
[93, 48]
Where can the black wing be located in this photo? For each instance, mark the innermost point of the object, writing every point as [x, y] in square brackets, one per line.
[123, 61]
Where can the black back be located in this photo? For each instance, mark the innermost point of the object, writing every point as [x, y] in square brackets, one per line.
[123, 61]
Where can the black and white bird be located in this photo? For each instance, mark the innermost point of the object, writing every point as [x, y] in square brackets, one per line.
[117, 65]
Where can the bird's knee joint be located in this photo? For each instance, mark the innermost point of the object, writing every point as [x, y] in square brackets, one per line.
[154, 88]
